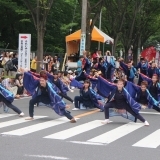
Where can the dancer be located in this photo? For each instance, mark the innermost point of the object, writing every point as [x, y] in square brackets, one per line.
[145, 98]
[153, 69]
[7, 98]
[154, 88]
[87, 97]
[45, 94]
[153, 85]
[129, 70]
[143, 66]
[63, 89]
[120, 99]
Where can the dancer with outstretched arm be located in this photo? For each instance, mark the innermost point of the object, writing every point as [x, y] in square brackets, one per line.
[121, 100]
[44, 94]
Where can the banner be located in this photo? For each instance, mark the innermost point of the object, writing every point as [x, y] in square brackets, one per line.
[82, 43]
[149, 53]
[24, 51]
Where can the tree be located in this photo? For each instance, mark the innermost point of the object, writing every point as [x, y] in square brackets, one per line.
[145, 22]
[39, 12]
[94, 7]
[115, 12]
[14, 19]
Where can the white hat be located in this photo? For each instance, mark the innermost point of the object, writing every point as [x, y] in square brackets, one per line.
[10, 53]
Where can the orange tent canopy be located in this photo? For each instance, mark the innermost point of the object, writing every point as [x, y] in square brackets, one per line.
[97, 35]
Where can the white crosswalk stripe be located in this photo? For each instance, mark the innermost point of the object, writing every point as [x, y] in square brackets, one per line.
[151, 141]
[117, 133]
[75, 130]
[36, 127]
[17, 121]
[72, 132]
[6, 115]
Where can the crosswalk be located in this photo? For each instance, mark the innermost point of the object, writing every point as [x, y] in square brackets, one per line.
[150, 141]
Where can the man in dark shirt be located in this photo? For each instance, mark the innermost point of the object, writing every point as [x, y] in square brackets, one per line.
[14, 58]
[44, 97]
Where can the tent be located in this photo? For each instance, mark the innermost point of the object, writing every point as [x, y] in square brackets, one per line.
[73, 40]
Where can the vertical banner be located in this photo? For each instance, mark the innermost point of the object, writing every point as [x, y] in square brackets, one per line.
[82, 43]
[24, 51]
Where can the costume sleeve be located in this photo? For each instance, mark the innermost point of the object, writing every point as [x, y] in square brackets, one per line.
[151, 100]
[104, 87]
[136, 107]
[6, 94]
[145, 78]
[124, 67]
[30, 82]
[50, 77]
[35, 74]
[76, 84]
[95, 97]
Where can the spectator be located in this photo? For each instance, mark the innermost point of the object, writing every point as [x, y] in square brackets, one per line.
[14, 59]
[9, 83]
[50, 64]
[19, 84]
[5, 59]
[34, 64]
[1, 66]
[56, 65]
[79, 64]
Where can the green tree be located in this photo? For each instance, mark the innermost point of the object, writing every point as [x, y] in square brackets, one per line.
[94, 7]
[39, 10]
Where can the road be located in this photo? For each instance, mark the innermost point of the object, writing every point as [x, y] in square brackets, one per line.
[52, 137]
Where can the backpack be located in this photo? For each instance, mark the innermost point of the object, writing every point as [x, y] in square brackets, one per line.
[8, 65]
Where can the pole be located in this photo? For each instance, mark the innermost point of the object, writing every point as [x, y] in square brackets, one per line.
[83, 27]
[100, 26]
[103, 49]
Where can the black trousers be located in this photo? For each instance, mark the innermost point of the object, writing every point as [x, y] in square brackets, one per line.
[9, 104]
[66, 97]
[127, 108]
[77, 101]
[45, 100]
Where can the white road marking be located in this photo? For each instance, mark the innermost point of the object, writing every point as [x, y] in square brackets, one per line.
[88, 143]
[75, 130]
[156, 113]
[116, 133]
[37, 127]
[6, 115]
[151, 141]
[17, 121]
[47, 157]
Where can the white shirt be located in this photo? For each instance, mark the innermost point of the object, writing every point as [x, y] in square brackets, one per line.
[6, 82]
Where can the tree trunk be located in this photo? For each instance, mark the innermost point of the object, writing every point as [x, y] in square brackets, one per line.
[88, 35]
[126, 53]
[40, 35]
[115, 45]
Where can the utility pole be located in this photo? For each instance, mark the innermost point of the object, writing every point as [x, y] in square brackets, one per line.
[100, 26]
[83, 27]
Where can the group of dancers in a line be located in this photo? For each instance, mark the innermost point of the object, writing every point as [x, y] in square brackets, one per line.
[123, 98]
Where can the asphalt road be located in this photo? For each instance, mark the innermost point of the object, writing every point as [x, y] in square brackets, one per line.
[54, 137]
